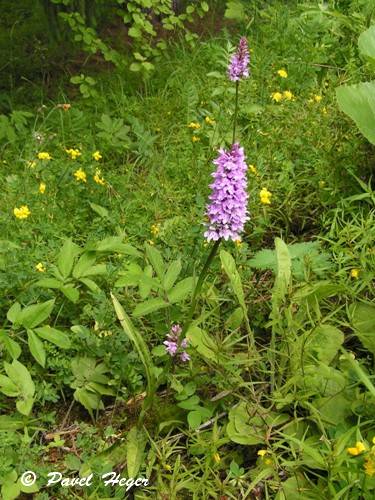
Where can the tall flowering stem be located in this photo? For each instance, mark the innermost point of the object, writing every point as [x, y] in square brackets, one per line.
[227, 210]
[199, 284]
[238, 69]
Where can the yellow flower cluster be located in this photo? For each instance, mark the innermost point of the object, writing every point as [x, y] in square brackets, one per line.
[354, 273]
[97, 156]
[262, 454]
[195, 138]
[97, 177]
[209, 121]
[282, 73]
[42, 188]
[73, 153]
[22, 213]
[253, 170]
[357, 449]
[369, 463]
[287, 95]
[40, 268]
[265, 196]
[155, 229]
[80, 175]
[194, 125]
[44, 156]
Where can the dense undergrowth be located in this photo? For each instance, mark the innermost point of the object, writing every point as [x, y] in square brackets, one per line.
[110, 187]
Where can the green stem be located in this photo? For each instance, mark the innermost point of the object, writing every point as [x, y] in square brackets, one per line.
[235, 112]
[198, 287]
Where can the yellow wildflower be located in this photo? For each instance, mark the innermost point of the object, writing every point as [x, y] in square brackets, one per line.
[97, 156]
[168, 467]
[151, 242]
[357, 449]
[265, 196]
[209, 120]
[276, 96]
[317, 98]
[44, 156]
[155, 229]
[42, 187]
[253, 169]
[97, 178]
[195, 138]
[80, 175]
[324, 110]
[288, 95]
[261, 453]
[73, 153]
[238, 242]
[40, 268]
[31, 163]
[282, 73]
[322, 184]
[217, 458]
[354, 273]
[369, 467]
[22, 213]
[194, 125]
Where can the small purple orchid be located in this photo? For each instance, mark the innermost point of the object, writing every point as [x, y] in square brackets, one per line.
[174, 346]
[239, 63]
[227, 212]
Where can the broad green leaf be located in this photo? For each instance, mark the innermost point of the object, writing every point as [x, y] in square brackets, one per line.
[363, 321]
[100, 389]
[203, 343]
[11, 345]
[49, 283]
[172, 274]
[156, 260]
[90, 400]
[9, 423]
[66, 257]
[114, 244]
[14, 313]
[20, 375]
[283, 276]
[142, 349]
[181, 291]
[135, 445]
[8, 387]
[366, 43]
[103, 212]
[149, 307]
[235, 10]
[194, 419]
[70, 293]
[85, 262]
[358, 102]
[32, 316]
[36, 348]
[91, 285]
[55, 336]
